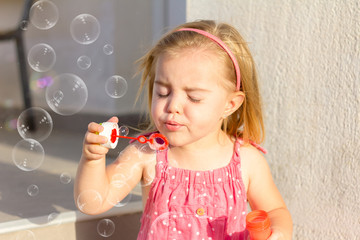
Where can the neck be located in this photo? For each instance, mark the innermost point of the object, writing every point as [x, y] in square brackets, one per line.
[203, 153]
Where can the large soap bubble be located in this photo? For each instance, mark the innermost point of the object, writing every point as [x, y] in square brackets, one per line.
[28, 154]
[41, 57]
[85, 29]
[44, 14]
[34, 123]
[116, 86]
[89, 201]
[67, 94]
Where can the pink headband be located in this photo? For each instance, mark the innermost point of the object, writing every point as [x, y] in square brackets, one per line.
[223, 45]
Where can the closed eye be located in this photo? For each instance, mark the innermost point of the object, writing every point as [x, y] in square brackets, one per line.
[162, 95]
[194, 100]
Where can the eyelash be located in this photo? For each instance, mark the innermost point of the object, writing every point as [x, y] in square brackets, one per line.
[162, 95]
[190, 98]
[193, 100]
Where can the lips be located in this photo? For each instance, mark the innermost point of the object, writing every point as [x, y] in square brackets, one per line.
[172, 125]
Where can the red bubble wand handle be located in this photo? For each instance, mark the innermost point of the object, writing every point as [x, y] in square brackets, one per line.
[156, 141]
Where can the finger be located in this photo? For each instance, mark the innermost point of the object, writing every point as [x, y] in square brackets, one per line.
[93, 152]
[93, 138]
[95, 127]
[276, 235]
[97, 149]
[113, 119]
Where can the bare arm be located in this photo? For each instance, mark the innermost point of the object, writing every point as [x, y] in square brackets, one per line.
[263, 193]
[99, 187]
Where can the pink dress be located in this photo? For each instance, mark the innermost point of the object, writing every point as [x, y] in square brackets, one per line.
[187, 204]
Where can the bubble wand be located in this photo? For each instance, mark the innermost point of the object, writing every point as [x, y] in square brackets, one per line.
[156, 141]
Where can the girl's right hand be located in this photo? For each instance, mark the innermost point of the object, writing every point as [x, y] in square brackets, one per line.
[92, 149]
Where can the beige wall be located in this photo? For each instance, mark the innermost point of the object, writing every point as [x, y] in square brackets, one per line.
[307, 53]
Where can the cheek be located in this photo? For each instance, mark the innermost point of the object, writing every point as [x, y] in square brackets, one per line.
[156, 109]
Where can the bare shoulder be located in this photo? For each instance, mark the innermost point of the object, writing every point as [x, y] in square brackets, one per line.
[252, 160]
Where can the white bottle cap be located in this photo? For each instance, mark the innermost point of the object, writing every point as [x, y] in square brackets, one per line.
[109, 128]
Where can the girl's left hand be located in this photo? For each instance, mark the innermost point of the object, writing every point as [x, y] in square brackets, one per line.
[276, 235]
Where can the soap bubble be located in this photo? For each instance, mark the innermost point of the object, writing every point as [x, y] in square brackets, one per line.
[44, 14]
[25, 234]
[67, 94]
[106, 227]
[84, 62]
[108, 49]
[116, 86]
[125, 201]
[65, 178]
[41, 57]
[54, 218]
[34, 123]
[28, 154]
[85, 29]
[124, 131]
[33, 190]
[89, 201]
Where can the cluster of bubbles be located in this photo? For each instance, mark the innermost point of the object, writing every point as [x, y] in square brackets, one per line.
[85, 30]
[66, 94]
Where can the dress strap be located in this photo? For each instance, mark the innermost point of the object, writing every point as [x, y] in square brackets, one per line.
[257, 146]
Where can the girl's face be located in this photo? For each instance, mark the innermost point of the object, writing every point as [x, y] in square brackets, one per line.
[189, 101]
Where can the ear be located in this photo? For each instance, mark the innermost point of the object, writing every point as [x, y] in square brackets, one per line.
[235, 100]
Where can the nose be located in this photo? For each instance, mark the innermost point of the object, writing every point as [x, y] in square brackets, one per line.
[174, 104]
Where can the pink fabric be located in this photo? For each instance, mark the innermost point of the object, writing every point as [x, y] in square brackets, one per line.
[185, 204]
[223, 45]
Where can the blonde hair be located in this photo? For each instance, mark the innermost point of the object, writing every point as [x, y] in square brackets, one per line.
[247, 121]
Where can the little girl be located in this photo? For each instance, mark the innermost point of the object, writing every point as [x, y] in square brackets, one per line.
[204, 98]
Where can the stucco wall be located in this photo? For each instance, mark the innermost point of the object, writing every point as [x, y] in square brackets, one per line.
[307, 53]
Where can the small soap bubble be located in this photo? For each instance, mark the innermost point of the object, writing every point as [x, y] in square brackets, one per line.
[89, 201]
[108, 49]
[125, 201]
[41, 57]
[116, 86]
[44, 14]
[106, 227]
[28, 154]
[67, 94]
[34, 123]
[25, 235]
[54, 218]
[85, 29]
[148, 177]
[124, 131]
[119, 180]
[33, 190]
[84, 62]
[65, 178]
